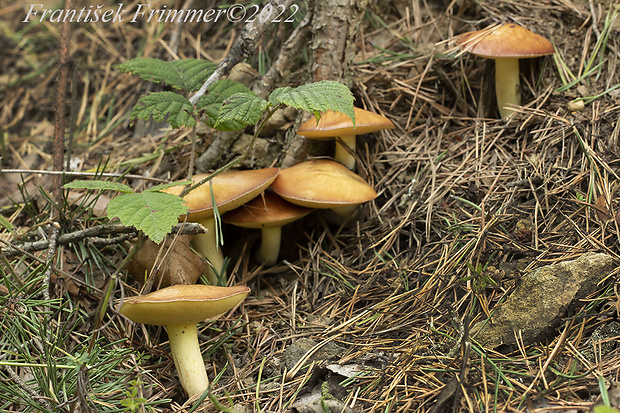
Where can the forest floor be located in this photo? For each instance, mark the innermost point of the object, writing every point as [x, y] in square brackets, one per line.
[371, 317]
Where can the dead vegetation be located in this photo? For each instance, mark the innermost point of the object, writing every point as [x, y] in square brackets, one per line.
[467, 204]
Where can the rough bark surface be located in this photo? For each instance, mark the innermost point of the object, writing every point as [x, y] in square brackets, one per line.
[334, 24]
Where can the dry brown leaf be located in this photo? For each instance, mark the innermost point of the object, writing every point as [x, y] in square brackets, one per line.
[602, 212]
[182, 265]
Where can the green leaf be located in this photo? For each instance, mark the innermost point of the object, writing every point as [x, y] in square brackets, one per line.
[160, 105]
[161, 187]
[187, 75]
[212, 102]
[316, 98]
[154, 213]
[245, 108]
[101, 185]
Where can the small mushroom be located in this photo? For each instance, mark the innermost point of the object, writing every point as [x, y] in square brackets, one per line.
[506, 44]
[179, 308]
[230, 190]
[333, 125]
[268, 213]
[324, 184]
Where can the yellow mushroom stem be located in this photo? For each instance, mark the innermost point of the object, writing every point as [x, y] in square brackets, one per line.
[188, 361]
[206, 245]
[507, 85]
[344, 215]
[270, 245]
[342, 154]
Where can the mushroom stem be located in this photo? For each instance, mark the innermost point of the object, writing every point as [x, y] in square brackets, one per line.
[206, 245]
[507, 85]
[344, 215]
[342, 154]
[270, 245]
[187, 358]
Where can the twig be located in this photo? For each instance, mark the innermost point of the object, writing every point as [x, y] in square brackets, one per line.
[102, 242]
[61, 98]
[51, 254]
[96, 232]
[22, 384]
[93, 174]
[295, 41]
[244, 45]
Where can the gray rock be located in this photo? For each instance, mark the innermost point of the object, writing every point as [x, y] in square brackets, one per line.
[293, 353]
[537, 306]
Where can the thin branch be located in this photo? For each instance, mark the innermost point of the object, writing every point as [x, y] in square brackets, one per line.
[93, 174]
[61, 102]
[96, 232]
[244, 46]
[51, 254]
[298, 38]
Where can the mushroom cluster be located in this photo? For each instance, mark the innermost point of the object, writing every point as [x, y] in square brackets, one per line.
[225, 192]
[270, 198]
[265, 199]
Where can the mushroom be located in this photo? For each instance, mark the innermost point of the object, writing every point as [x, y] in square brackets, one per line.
[336, 124]
[269, 213]
[506, 44]
[230, 189]
[324, 184]
[179, 308]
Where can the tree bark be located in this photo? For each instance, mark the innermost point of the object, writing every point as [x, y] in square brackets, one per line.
[334, 27]
[334, 24]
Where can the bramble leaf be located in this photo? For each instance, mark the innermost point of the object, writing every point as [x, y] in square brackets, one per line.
[161, 187]
[160, 105]
[187, 75]
[245, 108]
[102, 185]
[154, 213]
[316, 98]
[212, 102]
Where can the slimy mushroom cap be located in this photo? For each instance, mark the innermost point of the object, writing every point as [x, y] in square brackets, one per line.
[322, 183]
[508, 40]
[332, 124]
[182, 304]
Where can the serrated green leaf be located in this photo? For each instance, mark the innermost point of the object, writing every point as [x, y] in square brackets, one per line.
[101, 185]
[161, 187]
[212, 102]
[245, 108]
[316, 98]
[154, 213]
[170, 106]
[187, 75]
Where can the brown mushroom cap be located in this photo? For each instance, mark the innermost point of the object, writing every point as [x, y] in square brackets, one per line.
[508, 40]
[322, 183]
[265, 211]
[182, 304]
[332, 124]
[230, 190]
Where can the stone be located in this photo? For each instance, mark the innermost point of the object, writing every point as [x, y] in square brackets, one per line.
[543, 298]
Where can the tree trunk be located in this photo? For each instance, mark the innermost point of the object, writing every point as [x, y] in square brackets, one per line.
[332, 48]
